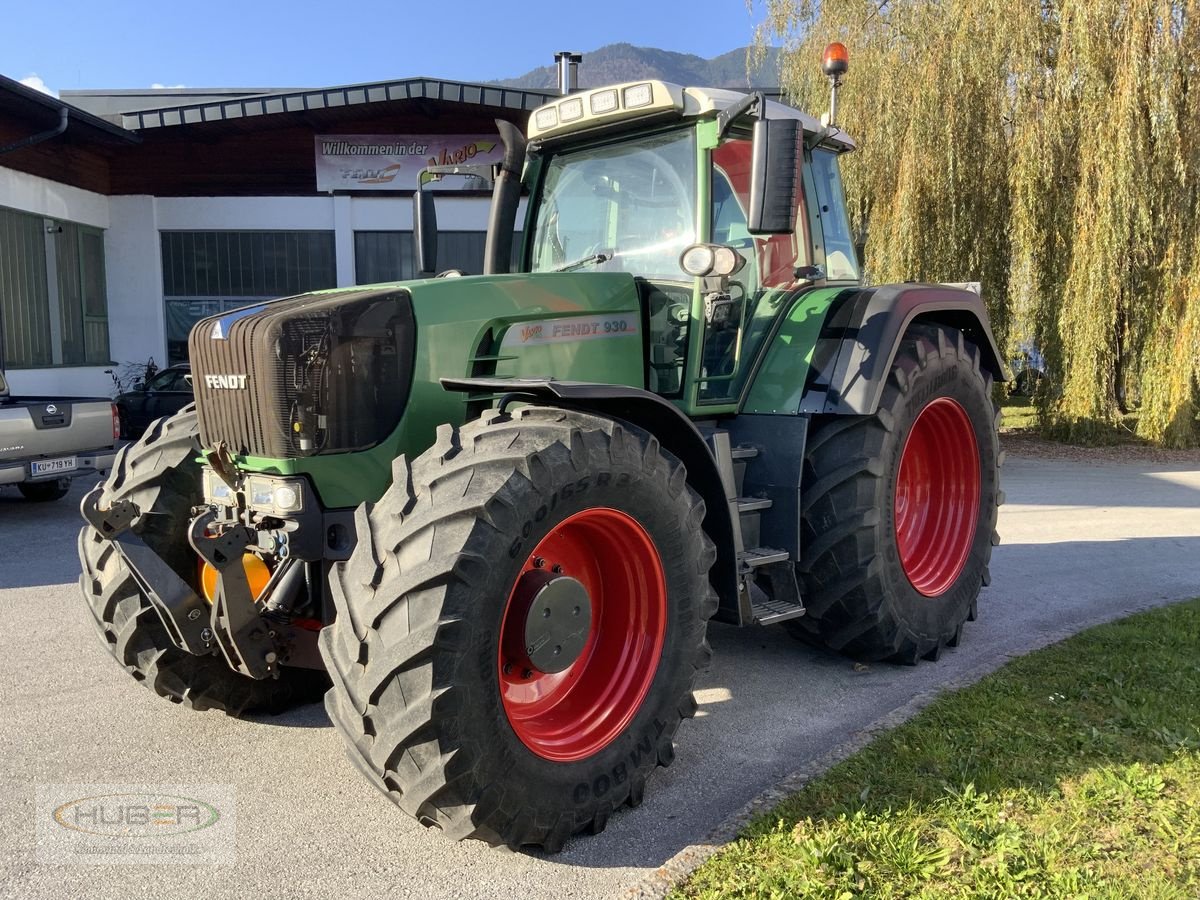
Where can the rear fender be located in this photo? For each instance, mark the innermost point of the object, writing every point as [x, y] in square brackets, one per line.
[674, 431]
[858, 344]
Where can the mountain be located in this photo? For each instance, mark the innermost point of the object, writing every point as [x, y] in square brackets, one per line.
[625, 62]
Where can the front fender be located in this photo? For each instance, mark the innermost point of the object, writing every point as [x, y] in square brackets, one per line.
[674, 431]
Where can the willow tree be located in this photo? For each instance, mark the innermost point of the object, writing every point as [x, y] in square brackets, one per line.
[1049, 149]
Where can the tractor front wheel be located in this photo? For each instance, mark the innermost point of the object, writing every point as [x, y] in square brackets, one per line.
[520, 625]
[899, 508]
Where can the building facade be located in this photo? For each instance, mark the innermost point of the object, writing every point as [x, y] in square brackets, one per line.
[126, 216]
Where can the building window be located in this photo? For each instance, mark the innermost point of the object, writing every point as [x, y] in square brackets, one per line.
[208, 272]
[384, 256]
[83, 304]
[381, 256]
[53, 301]
[24, 298]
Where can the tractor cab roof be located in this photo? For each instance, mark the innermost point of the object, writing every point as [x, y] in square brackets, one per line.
[653, 101]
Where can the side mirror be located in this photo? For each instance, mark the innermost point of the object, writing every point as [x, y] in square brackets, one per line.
[139, 386]
[424, 232]
[775, 156]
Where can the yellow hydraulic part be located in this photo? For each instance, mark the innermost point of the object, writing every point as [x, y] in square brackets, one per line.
[257, 574]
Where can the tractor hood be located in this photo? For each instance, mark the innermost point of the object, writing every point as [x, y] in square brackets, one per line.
[338, 383]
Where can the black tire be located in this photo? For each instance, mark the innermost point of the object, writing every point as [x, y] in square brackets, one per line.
[160, 475]
[413, 651]
[123, 423]
[860, 600]
[1025, 383]
[45, 491]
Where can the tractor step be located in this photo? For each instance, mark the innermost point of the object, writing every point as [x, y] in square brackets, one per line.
[739, 459]
[767, 610]
[768, 590]
[771, 581]
[763, 556]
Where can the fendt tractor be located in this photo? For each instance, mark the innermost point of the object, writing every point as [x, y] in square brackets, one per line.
[492, 515]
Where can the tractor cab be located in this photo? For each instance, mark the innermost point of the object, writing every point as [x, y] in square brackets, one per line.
[720, 204]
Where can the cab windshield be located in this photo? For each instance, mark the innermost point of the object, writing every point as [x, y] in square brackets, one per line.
[624, 207]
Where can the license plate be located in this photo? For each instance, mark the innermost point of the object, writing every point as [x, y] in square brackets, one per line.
[46, 466]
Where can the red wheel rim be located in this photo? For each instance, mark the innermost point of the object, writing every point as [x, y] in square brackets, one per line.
[937, 497]
[572, 714]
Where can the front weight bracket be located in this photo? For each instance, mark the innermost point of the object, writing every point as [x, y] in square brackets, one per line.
[179, 608]
[242, 635]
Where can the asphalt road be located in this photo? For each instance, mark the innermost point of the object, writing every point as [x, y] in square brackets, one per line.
[1083, 543]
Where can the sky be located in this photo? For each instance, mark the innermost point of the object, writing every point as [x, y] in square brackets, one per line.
[70, 45]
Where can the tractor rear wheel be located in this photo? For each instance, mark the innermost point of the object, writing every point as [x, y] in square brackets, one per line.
[160, 475]
[899, 508]
[520, 626]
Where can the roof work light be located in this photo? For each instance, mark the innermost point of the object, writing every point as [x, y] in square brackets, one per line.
[835, 63]
[836, 60]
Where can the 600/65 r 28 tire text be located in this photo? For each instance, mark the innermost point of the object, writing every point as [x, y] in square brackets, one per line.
[160, 475]
[520, 626]
[899, 508]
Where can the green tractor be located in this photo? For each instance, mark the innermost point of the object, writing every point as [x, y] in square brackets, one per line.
[493, 515]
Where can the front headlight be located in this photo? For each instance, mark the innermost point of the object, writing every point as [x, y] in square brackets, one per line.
[217, 491]
[264, 494]
[275, 496]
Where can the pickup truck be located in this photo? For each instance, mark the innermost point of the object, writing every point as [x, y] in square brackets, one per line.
[46, 441]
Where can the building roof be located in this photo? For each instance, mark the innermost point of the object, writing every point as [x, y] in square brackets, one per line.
[111, 103]
[30, 104]
[306, 99]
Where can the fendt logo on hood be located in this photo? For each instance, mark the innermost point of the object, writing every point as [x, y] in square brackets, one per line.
[226, 382]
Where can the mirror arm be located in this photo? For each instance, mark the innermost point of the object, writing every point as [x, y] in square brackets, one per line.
[755, 104]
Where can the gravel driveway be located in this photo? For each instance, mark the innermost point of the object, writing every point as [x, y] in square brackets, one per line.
[1083, 542]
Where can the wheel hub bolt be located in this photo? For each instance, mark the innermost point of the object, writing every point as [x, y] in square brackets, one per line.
[528, 673]
[538, 562]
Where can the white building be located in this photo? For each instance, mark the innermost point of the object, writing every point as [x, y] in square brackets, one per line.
[124, 219]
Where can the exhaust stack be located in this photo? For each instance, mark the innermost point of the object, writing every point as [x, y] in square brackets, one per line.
[568, 71]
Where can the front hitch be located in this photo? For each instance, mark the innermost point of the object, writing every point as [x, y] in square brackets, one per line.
[244, 639]
[232, 625]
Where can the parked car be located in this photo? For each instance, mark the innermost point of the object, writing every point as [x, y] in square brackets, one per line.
[1028, 368]
[164, 394]
[47, 441]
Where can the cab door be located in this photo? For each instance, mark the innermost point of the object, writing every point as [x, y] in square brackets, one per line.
[776, 267]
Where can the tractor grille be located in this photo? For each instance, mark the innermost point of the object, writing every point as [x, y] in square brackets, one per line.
[304, 376]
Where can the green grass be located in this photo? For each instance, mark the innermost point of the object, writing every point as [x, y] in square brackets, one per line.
[1072, 772]
[1019, 414]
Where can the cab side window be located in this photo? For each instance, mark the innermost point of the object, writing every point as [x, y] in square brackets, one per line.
[841, 261]
[771, 262]
[773, 258]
